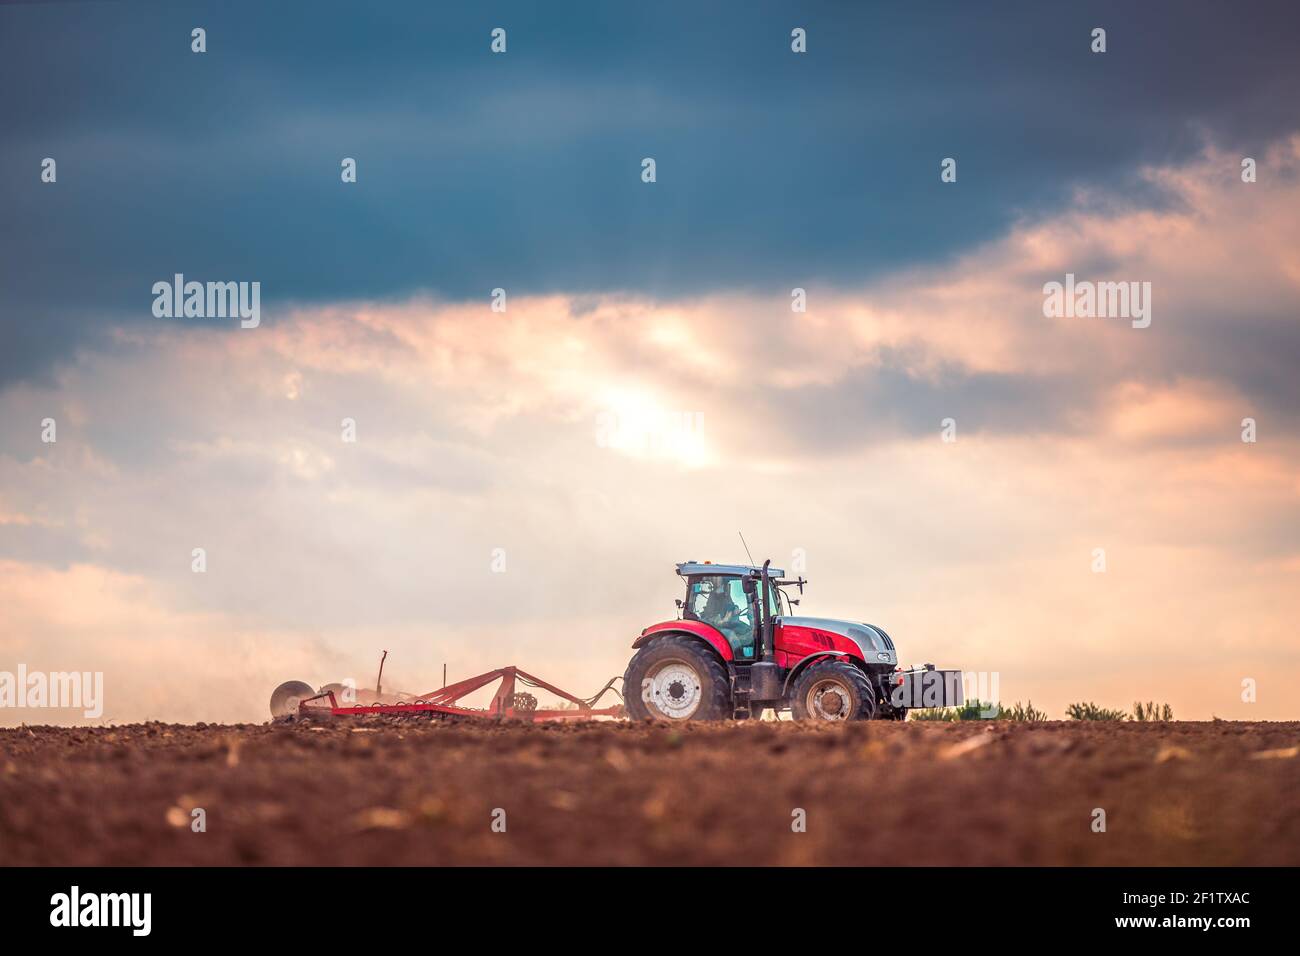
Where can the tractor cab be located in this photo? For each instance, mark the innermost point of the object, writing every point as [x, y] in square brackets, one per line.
[727, 597]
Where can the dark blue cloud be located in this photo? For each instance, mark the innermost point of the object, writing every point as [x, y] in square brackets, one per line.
[522, 170]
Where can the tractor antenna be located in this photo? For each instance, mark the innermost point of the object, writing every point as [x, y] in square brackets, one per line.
[747, 554]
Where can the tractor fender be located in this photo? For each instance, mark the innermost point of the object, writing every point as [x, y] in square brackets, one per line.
[694, 629]
[803, 662]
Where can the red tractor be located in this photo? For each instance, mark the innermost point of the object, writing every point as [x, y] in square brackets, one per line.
[737, 649]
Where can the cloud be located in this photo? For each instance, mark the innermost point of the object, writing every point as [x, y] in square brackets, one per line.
[478, 171]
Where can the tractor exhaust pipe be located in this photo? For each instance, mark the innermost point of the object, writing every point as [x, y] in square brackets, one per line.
[767, 652]
[764, 675]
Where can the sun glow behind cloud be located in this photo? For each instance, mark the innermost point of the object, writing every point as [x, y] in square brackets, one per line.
[635, 423]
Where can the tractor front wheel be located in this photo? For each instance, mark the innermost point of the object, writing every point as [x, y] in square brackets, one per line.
[675, 678]
[832, 691]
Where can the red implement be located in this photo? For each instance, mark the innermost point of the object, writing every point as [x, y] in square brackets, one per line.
[506, 703]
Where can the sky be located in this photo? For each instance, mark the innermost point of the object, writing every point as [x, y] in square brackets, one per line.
[940, 456]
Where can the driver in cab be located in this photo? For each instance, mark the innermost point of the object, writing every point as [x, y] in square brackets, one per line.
[724, 614]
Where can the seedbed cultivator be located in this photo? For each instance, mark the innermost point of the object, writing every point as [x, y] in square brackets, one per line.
[298, 699]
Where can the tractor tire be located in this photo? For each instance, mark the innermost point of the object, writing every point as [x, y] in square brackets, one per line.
[832, 691]
[676, 679]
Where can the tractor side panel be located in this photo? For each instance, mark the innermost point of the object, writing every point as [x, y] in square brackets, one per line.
[798, 642]
[697, 628]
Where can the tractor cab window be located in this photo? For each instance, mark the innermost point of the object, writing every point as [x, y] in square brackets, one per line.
[775, 607]
[721, 601]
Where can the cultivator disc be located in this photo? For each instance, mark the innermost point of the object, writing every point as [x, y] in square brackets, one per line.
[286, 698]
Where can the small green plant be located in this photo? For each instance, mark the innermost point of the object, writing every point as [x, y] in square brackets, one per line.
[1026, 713]
[1091, 711]
[977, 710]
[972, 710]
[1151, 711]
[932, 713]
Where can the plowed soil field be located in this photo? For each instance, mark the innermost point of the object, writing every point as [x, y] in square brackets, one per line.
[879, 794]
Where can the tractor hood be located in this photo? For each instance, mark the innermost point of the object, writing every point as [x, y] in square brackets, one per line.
[876, 646]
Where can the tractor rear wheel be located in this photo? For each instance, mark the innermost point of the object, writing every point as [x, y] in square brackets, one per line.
[832, 690]
[675, 678]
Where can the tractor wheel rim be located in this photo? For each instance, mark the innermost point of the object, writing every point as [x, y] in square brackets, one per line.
[829, 700]
[672, 690]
